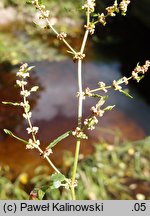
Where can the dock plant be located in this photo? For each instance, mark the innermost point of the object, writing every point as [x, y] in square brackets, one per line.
[100, 94]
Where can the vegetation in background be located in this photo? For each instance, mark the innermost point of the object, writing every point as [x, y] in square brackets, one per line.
[22, 40]
[114, 171]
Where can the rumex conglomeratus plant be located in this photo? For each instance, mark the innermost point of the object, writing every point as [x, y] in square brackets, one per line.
[100, 93]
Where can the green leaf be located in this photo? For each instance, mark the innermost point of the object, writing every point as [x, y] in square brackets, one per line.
[95, 14]
[108, 108]
[18, 138]
[96, 96]
[27, 108]
[11, 103]
[41, 194]
[126, 93]
[8, 132]
[120, 81]
[58, 139]
[140, 78]
[30, 68]
[34, 88]
[57, 177]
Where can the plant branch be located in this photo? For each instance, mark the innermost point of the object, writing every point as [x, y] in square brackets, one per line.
[80, 108]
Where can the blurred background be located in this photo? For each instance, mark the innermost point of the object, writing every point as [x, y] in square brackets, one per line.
[118, 150]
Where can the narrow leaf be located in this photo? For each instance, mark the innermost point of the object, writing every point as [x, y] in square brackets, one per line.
[95, 14]
[96, 96]
[120, 81]
[11, 103]
[126, 93]
[140, 78]
[27, 108]
[34, 88]
[11, 134]
[30, 68]
[41, 194]
[58, 139]
[108, 108]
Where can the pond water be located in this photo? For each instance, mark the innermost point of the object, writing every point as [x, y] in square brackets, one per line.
[55, 109]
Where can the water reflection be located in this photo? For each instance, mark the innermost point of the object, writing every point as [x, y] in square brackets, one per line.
[54, 111]
[11, 117]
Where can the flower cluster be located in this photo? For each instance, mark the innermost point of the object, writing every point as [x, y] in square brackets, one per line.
[102, 86]
[87, 92]
[142, 69]
[89, 5]
[32, 130]
[125, 80]
[32, 144]
[123, 6]
[112, 9]
[116, 86]
[62, 36]
[23, 73]
[44, 13]
[81, 95]
[79, 133]
[96, 110]
[137, 74]
[47, 152]
[90, 122]
[78, 56]
[90, 27]
[102, 19]
[139, 71]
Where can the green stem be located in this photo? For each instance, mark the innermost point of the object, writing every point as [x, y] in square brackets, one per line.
[48, 160]
[98, 89]
[73, 192]
[84, 41]
[16, 137]
[79, 125]
[80, 93]
[33, 135]
[80, 107]
[76, 160]
[54, 30]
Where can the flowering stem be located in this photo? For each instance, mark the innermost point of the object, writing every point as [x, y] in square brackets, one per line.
[80, 93]
[80, 107]
[79, 125]
[54, 30]
[48, 160]
[33, 134]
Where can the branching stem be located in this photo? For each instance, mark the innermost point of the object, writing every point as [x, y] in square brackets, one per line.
[80, 108]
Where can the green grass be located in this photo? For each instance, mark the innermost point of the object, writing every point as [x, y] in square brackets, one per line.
[117, 171]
